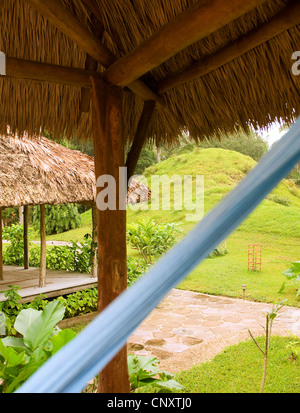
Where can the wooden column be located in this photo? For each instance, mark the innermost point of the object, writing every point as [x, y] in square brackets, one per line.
[94, 238]
[42, 280]
[1, 247]
[26, 245]
[111, 223]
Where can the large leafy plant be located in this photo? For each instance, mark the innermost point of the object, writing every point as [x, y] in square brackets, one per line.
[146, 377]
[40, 338]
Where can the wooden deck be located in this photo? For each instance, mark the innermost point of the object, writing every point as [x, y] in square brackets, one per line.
[57, 282]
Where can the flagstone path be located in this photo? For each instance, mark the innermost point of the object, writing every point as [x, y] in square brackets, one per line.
[188, 325]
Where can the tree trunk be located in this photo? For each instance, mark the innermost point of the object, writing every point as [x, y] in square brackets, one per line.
[111, 223]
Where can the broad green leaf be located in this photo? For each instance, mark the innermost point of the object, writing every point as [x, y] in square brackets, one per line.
[25, 318]
[62, 338]
[12, 358]
[169, 384]
[22, 376]
[144, 367]
[42, 327]
[15, 342]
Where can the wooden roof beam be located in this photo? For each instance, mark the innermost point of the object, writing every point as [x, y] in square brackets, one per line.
[55, 12]
[197, 22]
[45, 72]
[284, 20]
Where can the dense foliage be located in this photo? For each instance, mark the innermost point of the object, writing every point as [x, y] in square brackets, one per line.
[59, 218]
[14, 253]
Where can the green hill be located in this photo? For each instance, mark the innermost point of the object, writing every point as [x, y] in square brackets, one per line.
[223, 170]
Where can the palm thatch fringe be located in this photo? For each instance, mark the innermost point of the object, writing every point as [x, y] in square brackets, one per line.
[257, 88]
[36, 171]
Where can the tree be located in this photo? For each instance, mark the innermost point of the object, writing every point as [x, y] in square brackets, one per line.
[147, 158]
[251, 145]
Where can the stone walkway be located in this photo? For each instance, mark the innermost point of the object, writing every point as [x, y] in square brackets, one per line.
[186, 319]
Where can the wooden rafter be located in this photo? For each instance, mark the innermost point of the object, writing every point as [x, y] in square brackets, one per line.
[286, 19]
[197, 22]
[64, 20]
[45, 72]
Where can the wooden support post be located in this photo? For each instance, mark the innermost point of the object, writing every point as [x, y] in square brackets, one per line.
[111, 223]
[140, 137]
[42, 280]
[1, 247]
[94, 239]
[26, 245]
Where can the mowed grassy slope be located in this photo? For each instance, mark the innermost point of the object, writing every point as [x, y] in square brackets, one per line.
[275, 226]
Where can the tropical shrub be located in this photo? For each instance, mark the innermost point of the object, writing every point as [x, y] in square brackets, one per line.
[76, 257]
[80, 302]
[40, 338]
[10, 307]
[146, 377]
[150, 238]
[14, 253]
[135, 269]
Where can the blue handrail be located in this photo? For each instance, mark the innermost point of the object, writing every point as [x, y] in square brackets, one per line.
[69, 370]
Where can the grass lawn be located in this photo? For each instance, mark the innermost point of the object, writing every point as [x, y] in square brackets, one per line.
[238, 369]
[273, 225]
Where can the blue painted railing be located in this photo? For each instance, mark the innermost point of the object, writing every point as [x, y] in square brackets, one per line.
[80, 360]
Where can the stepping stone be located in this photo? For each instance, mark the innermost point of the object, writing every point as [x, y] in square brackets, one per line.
[155, 342]
[134, 347]
[191, 341]
[213, 323]
[161, 354]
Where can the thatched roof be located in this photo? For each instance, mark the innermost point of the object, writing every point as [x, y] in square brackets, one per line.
[40, 171]
[256, 88]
